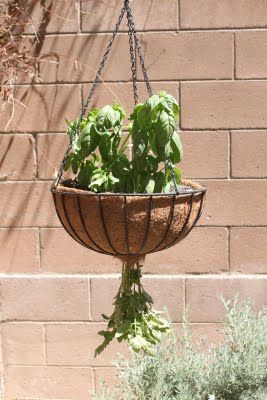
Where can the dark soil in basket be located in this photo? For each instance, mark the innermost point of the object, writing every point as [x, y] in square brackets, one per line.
[72, 183]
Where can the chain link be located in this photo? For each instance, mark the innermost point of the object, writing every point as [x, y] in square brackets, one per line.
[86, 104]
[131, 25]
[133, 62]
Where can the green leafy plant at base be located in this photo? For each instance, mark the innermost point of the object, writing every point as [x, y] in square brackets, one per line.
[98, 158]
[133, 319]
[236, 369]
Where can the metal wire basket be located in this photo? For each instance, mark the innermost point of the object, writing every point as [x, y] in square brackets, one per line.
[128, 225]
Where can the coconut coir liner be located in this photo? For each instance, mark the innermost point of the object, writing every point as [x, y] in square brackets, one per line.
[123, 225]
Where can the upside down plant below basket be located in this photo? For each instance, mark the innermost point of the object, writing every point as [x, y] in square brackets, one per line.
[125, 206]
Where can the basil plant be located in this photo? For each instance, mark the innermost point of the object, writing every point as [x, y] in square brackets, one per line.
[98, 156]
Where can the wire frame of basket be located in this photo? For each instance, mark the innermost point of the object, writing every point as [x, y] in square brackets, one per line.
[128, 226]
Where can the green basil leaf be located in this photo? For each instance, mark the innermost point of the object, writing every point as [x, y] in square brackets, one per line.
[140, 142]
[139, 343]
[121, 113]
[92, 114]
[120, 166]
[85, 174]
[156, 334]
[143, 117]
[121, 186]
[170, 103]
[177, 174]
[105, 147]
[96, 184]
[177, 148]
[123, 328]
[129, 184]
[75, 164]
[159, 178]
[73, 135]
[148, 112]
[106, 118]
[112, 180]
[89, 140]
[115, 141]
[151, 164]
[105, 343]
[152, 142]
[139, 164]
[150, 186]
[147, 297]
[163, 153]
[68, 162]
[147, 182]
[134, 128]
[167, 187]
[164, 128]
[86, 130]
[133, 116]
[176, 110]
[152, 103]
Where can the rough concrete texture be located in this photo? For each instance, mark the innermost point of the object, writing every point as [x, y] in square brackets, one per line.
[211, 55]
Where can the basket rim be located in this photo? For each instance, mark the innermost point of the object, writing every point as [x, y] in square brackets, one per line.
[61, 189]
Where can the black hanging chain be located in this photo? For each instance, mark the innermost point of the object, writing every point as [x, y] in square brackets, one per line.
[102, 65]
[137, 45]
[132, 59]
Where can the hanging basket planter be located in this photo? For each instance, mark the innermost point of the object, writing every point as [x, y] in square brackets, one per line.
[128, 207]
[128, 226]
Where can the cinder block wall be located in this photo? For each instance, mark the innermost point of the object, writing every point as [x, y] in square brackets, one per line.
[210, 54]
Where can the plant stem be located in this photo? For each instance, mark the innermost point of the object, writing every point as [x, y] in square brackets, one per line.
[124, 143]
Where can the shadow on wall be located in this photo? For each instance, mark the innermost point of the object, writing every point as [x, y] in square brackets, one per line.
[67, 64]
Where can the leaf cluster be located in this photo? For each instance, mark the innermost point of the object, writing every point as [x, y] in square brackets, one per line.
[98, 156]
[95, 148]
[133, 319]
[236, 369]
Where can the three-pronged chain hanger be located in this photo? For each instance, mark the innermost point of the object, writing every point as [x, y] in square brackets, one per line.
[135, 49]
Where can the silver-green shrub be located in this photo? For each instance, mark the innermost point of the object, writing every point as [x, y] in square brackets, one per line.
[233, 370]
